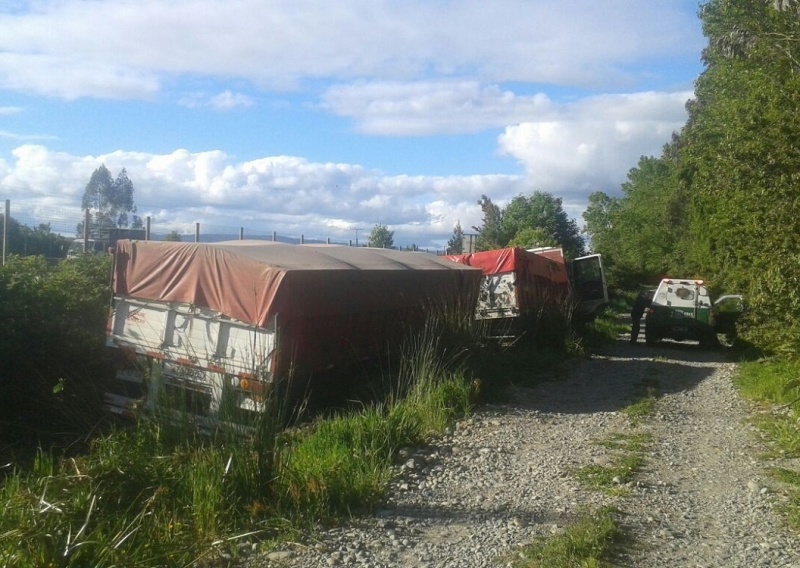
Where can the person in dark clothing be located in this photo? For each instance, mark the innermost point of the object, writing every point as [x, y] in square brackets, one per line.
[643, 301]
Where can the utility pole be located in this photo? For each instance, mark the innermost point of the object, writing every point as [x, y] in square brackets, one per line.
[356, 229]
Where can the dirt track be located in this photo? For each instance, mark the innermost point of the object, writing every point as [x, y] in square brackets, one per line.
[506, 475]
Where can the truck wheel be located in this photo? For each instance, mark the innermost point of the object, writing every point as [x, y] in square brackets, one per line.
[709, 339]
[650, 337]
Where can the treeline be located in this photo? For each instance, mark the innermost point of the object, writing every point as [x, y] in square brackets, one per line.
[39, 241]
[721, 202]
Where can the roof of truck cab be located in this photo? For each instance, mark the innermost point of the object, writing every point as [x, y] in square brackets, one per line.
[253, 280]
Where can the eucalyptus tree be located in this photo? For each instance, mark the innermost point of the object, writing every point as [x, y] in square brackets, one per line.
[109, 201]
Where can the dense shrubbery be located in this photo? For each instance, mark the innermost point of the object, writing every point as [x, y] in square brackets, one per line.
[51, 343]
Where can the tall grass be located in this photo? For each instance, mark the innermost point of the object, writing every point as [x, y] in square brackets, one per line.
[342, 463]
[771, 382]
[161, 493]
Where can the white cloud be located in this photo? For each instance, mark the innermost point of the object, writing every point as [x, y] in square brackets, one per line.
[286, 194]
[568, 150]
[425, 108]
[71, 77]
[129, 48]
[591, 144]
[223, 101]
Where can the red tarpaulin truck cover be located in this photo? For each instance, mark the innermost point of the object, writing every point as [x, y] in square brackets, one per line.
[252, 281]
[548, 264]
[327, 303]
[538, 277]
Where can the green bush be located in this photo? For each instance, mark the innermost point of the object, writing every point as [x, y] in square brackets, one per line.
[51, 342]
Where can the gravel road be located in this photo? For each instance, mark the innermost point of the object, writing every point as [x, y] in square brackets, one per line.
[506, 475]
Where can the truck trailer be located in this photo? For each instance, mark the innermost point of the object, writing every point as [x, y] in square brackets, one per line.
[217, 324]
[518, 282]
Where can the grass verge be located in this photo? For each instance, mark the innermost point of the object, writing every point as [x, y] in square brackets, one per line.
[590, 542]
[627, 459]
[791, 480]
[607, 325]
[161, 494]
[645, 397]
[775, 385]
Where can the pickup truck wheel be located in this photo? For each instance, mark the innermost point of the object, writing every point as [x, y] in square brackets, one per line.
[650, 338]
[709, 339]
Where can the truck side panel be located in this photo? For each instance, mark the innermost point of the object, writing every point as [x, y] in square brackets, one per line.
[190, 349]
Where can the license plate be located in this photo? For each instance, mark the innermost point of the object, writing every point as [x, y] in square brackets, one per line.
[680, 329]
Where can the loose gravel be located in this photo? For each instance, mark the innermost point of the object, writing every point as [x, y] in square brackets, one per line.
[505, 476]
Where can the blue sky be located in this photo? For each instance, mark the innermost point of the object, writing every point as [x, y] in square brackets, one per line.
[311, 118]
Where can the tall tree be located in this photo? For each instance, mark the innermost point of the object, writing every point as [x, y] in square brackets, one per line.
[649, 231]
[599, 222]
[109, 201]
[456, 243]
[544, 214]
[532, 237]
[381, 237]
[490, 234]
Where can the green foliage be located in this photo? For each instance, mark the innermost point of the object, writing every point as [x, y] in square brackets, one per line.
[603, 230]
[641, 236]
[720, 201]
[623, 465]
[53, 334]
[645, 398]
[773, 383]
[491, 234]
[770, 382]
[144, 497]
[340, 467]
[790, 479]
[743, 161]
[456, 243]
[24, 241]
[162, 494]
[589, 542]
[381, 237]
[606, 327]
[530, 237]
[543, 217]
[528, 221]
[173, 236]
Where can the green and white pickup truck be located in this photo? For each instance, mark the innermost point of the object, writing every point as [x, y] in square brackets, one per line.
[682, 309]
